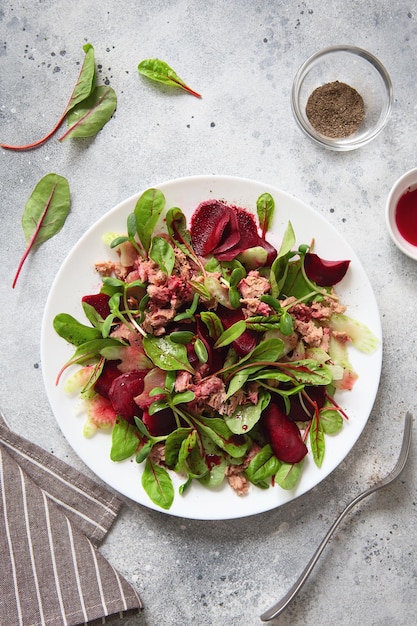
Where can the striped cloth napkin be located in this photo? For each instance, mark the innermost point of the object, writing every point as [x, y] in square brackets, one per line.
[52, 520]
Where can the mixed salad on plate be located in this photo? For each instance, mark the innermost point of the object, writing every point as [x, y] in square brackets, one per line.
[210, 353]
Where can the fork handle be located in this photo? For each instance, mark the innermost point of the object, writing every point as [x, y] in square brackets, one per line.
[279, 606]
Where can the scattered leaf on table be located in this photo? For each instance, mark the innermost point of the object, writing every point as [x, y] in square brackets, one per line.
[83, 88]
[160, 71]
[90, 115]
[45, 213]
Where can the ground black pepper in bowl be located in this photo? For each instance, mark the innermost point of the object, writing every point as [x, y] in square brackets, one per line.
[335, 109]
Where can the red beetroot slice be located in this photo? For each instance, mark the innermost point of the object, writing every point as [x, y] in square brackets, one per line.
[248, 238]
[109, 372]
[122, 392]
[297, 411]
[208, 224]
[324, 273]
[160, 423]
[247, 340]
[284, 435]
[100, 302]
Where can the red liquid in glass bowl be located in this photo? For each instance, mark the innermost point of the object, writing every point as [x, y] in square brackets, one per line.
[406, 216]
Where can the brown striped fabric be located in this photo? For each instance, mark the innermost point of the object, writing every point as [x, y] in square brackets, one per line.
[52, 520]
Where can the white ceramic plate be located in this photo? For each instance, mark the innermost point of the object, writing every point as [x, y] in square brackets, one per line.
[77, 277]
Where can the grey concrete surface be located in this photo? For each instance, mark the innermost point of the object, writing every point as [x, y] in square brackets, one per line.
[242, 57]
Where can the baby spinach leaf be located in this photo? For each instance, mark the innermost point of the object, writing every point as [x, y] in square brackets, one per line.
[160, 71]
[45, 213]
[89, 116]
[158, 485]
[147, 211]
[232, 333]
[280, 265]
[201, 350]
[124, 440]
[166, 354]
[263, 466]
[162, 253]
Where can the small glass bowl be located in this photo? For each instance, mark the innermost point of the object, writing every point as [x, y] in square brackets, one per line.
[407, 182]
[358, 69]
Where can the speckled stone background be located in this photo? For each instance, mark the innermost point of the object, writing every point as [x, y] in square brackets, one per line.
[242, 56]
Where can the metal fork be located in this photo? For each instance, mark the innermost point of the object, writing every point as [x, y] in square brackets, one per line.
[277, 608]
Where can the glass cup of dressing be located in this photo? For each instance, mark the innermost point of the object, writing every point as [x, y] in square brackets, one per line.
[401, 213]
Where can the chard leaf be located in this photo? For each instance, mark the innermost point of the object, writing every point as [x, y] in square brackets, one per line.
[147, 211]
[317, 440]
[89, 116]
[124, 440]
[244, 418]
[73, 331]
[331, 421]
[308, 372]
[83, 88]
[270, 374]
[265, 207]
[213, 324]
[86, 79]
[88, 351]
[178, 446]
[160, 71]
[162, 253]
[158, 485]
[288, 475]
[166, 354]
[45, 213]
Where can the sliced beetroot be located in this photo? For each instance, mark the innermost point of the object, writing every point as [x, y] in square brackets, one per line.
[208, 224]
[248, 236]
[283, 434]
[160, 423]
[324, 273]
[302, 410]
[247, 340]
[109, 372]
[122, 392]
[100, 302]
